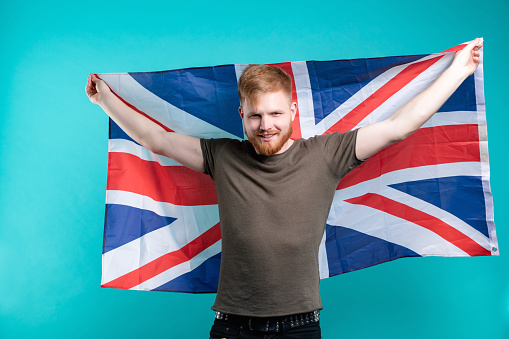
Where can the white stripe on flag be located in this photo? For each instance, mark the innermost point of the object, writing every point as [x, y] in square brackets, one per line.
[239, 68]
[323, 262]
[483, 147]
[452, 118]
[410, 174]
[127, 146]
[304, 98]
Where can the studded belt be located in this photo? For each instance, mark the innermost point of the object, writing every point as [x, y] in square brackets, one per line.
[270, 324]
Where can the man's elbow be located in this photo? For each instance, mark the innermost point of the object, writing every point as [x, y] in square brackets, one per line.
[154, 142]
[400, 131]
[399, 136]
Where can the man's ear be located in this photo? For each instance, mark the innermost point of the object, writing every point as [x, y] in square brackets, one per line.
[293, 110]
[241, 112]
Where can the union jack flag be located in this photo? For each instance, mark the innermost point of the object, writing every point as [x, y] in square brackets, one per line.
[428, 195]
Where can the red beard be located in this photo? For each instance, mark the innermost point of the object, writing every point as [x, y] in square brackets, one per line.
[272, 147]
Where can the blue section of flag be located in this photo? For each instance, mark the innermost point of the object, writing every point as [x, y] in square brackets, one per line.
[202, 279]
[208, 93]
[463, 99]
[125, 224]
[349, 250]
[448, 193]
[117, 133]
[334, 82]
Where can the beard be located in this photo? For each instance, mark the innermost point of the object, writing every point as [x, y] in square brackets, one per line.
[272, 147]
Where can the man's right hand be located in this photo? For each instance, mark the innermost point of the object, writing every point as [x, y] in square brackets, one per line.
[96, 88]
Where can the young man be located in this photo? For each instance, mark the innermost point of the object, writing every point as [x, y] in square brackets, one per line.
[274, 193]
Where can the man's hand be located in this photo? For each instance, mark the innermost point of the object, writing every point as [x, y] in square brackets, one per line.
[466, 61]
[96, 88]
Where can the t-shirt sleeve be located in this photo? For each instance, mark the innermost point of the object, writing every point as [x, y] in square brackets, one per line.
[339, 151]
[210, 149]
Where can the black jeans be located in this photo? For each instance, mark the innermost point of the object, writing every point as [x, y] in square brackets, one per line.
[232, 330]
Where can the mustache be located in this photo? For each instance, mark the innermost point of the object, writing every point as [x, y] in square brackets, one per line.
[261, 132]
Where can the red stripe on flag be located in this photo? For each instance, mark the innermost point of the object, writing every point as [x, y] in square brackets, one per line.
[178, 185]
[455, 48]
[167, 261]
[137, 110]
[287, 67]
[426, 146]
[394, 85]
[420, 218]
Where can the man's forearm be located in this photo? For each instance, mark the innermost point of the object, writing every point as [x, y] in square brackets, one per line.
[137, 126]
[182, 148]
[418, 110]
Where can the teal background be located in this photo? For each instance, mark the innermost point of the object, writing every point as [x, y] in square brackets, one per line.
[53, 158]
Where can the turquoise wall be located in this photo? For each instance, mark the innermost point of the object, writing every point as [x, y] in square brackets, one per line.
[53, 158]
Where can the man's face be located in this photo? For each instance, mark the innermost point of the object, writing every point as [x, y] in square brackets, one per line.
[268, 122]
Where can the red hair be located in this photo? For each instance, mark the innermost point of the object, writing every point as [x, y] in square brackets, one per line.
[260, 79]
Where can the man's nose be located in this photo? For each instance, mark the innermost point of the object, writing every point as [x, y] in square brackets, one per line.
[266, 123]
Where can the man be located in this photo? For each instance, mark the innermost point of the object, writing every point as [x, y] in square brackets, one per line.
[274, 193]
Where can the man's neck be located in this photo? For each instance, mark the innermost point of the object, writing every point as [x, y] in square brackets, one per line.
[286, 146]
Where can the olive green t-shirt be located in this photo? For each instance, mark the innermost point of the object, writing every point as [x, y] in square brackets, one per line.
[273, 212]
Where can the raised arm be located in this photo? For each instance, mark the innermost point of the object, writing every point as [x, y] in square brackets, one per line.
[407, 119]
[182, 148]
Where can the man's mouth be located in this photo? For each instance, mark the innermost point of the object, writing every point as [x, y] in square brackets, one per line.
[266, 136]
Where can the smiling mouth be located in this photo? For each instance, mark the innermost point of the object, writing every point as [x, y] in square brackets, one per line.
[266, 136]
